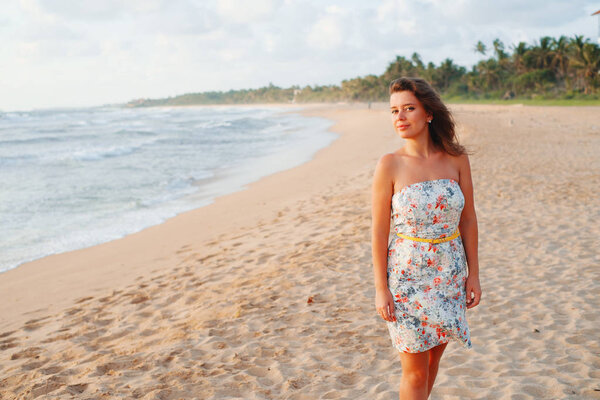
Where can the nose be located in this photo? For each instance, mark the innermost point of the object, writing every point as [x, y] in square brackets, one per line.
[400, 116]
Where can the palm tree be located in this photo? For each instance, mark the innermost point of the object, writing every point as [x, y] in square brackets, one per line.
[540, 55]
[519, 52]
[400, 67]
[560, 62]
[577, 42]
[416, 59]
[480, 48]
[447, 73]
[499, 49]
[576, 45]
[489, 72]
[588, 63]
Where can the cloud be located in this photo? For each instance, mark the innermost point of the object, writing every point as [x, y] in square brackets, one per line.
[398, 16]
[95, 10]
[180, 18]
[326, 33]
[154, 48]
[517, 13]
[243, 12]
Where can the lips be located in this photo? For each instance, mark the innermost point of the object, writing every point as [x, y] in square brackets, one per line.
[403, 126]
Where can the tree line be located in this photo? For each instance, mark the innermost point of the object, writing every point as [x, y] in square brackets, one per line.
[549, 68]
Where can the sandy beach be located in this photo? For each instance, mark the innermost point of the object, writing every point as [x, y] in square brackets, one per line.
[268, 292]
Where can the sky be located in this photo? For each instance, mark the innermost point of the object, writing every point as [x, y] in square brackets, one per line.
[78, 53]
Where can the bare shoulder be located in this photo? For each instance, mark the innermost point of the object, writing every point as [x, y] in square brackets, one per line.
[383, 178]
[460, 159]
[387, 164]
[389, 158]
[460, 162]
[464, 173]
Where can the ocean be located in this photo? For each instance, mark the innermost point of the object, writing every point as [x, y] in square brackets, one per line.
[73, 178]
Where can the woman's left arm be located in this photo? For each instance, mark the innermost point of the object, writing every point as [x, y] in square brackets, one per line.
[468, 232]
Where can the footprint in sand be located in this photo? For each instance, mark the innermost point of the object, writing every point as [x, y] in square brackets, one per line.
[33, 365]
[34, 324]
[8, 343]
[139, 298]
[31, 352]
[51, 370]
[52, 384]
[77, 388]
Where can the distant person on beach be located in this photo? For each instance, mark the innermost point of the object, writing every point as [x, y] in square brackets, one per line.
[427, 274]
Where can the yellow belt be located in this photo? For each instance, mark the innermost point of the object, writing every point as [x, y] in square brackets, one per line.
[437, 240]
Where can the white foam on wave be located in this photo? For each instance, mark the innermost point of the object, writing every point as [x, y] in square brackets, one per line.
[104, 180]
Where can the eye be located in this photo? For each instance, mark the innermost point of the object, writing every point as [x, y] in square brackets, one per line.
[409, 108]
[394, 112]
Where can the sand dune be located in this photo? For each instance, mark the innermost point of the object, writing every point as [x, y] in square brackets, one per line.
[278, 302]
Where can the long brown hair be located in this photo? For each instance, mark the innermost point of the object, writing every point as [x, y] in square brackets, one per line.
[441, 128]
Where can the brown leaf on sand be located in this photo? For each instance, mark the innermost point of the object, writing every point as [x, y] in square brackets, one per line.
[310, 300]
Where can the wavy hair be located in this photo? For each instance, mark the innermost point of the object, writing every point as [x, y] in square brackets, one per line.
[442, 127]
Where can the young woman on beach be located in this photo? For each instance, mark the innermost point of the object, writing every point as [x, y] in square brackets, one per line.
[427, 274]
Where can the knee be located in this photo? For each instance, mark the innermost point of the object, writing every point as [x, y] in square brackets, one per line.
[416, 378]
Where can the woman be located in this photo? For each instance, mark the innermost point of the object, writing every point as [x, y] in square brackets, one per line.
[422, 284]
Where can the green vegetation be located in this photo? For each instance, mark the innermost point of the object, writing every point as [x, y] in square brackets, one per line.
[525, 102]
[563, 71]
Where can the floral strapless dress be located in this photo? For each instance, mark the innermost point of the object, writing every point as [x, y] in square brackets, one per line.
[427, 280]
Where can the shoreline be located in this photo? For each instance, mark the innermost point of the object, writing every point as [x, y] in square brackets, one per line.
[203, 183]
[268, 293]
[18, 288]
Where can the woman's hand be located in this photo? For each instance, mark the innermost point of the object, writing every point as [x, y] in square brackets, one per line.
[384, 302]
[473, 291]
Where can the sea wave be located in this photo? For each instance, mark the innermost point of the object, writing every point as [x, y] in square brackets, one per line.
[68, 184]
[99, 154]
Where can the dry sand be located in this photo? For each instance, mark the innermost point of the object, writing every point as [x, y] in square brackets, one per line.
[268, 292]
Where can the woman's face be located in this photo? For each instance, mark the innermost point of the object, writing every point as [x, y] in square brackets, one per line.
[408, 115]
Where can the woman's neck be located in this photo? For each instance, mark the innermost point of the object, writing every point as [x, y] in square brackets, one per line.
[420, 146]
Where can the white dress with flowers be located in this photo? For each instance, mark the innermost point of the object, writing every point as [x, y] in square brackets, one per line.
[427, 280]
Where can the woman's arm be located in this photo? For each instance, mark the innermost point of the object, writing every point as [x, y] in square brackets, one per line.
[469, 233]
[380, 213]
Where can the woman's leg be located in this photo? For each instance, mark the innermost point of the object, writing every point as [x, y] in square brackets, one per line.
[418, 373]
[435, 354]
[415, 373]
